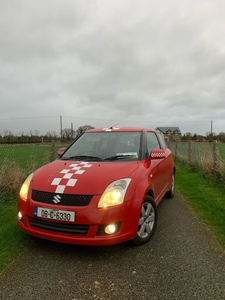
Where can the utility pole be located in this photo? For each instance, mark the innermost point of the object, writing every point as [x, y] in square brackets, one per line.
[211, 133]
[72, 130]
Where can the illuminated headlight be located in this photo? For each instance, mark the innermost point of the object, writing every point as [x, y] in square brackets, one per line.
[25, 188]
[114, 193]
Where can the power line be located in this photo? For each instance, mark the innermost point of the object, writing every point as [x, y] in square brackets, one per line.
[105, 120]
[137, 121]
[26, 118]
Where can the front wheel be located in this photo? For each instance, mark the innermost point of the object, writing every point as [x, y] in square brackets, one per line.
[147, 222]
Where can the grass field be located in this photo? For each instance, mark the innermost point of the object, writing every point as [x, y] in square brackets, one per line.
[206, 157]
[221, 148]
[12, 239]
[18, 161]
[198, 149]
[205, 196]
[23, 155]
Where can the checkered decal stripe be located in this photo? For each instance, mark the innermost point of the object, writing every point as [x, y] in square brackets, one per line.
[158, 155]
[67, 175]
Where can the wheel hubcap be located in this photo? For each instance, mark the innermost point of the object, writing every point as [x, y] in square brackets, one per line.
[146, 221]
[173, 184]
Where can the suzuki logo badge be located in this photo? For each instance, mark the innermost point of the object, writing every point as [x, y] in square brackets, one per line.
[56, 199]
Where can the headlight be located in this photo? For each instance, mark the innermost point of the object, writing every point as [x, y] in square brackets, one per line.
[25, 188]
[114, 193]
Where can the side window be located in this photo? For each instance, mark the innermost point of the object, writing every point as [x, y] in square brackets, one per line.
[152, 141]
[161, 141]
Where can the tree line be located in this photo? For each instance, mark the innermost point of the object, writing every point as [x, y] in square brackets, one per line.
[209, 137]
[67, 134]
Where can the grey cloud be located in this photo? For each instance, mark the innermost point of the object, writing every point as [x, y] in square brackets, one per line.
[135, 62]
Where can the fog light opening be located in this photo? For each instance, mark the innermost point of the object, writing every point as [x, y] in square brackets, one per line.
[110, 229]
[20, 217]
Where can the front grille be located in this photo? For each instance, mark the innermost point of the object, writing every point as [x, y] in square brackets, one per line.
[59, 227]
[65, 199]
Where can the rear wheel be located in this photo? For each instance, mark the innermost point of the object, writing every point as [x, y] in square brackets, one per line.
[147, 222]
[171, 192]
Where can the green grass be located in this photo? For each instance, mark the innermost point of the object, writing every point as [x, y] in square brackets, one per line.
[206, 198]
[12, 239]
[221, 148]
[24, 155]
[18, 161]
[198, 149]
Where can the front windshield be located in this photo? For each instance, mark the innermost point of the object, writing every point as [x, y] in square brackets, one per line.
[105, 146]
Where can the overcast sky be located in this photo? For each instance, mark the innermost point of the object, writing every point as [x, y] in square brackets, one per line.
[145, 63]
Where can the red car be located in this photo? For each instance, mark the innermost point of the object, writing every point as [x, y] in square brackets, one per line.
[103, 189]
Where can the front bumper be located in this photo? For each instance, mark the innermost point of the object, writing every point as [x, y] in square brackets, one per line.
[88, 228]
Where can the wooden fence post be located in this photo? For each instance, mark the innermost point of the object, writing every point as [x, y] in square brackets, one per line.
[215, 158]
[176, 150]
[190, 154]
[52, 155]
[168, 144]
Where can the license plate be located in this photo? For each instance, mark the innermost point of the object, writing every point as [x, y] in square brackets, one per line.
[53, 214]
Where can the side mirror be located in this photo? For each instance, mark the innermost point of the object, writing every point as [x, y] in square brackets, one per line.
[158, 154]
[60, 151]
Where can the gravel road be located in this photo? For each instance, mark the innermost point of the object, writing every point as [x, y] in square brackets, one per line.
[182, 261]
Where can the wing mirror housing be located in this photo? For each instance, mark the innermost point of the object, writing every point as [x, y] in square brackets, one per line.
[60, 151]
[158, 154]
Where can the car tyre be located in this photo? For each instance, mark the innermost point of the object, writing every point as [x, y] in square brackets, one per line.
[147, 222]
[171, 192]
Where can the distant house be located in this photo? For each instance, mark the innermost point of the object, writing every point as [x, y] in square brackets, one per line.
[170, 133]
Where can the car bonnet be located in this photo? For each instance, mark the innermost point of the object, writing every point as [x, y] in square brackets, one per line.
[80, 177]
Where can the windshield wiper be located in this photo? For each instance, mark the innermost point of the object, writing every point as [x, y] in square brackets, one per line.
[120, 156]
[81, 157]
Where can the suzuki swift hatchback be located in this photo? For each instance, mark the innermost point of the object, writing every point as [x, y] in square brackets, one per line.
[103, 189]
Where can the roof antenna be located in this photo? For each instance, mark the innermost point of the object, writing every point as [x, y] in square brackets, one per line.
[113, 126]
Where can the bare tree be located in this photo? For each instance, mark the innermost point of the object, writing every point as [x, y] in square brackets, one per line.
[68, 133]
[84, 128]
